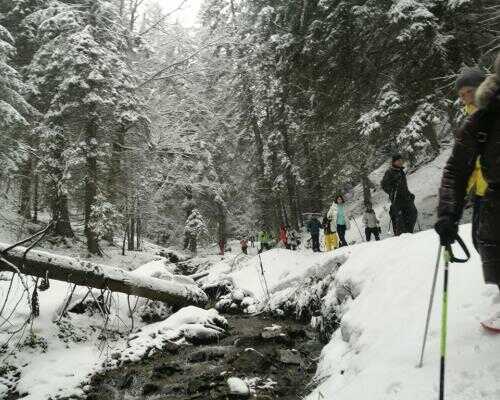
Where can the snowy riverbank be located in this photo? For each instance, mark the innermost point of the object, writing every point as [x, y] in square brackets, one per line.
[375, 350]
[374, 293]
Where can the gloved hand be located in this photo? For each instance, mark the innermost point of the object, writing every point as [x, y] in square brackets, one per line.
[447, 229]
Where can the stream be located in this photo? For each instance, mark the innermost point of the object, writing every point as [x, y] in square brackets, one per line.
[276, 359]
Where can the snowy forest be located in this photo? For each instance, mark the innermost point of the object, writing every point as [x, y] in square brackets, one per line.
[118, 122]
[133, 139]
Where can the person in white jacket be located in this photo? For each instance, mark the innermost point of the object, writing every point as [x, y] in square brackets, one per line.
[372, 224]
[338, 215]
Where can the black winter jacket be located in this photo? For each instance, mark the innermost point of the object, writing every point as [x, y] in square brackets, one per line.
[480, 136]
[395, 185]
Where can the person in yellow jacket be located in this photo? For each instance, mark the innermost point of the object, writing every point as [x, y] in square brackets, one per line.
[331, 240]
[466, 84]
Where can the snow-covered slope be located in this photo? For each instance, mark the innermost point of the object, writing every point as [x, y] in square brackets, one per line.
[374, 353]
[282, 269]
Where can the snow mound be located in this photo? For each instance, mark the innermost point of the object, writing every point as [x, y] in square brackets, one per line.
[238, 387]
[380, 295]
[281, 269]
[190, 323]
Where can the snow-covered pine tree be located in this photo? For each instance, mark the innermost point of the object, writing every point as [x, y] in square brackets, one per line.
[14, 110]
[194, 228]
[81, 72]
[13, 16]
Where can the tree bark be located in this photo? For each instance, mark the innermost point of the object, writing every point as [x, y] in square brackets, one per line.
[25, 189]
[58, 197]
[138, 233]
[131, 231]
[91, 187]
[60, 214]
[177, 292]
[35, 198]
[221, 221]
[291, 185]
[367, 186]
[115, 175]
[264, 189]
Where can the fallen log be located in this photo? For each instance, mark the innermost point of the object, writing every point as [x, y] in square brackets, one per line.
[177, 292]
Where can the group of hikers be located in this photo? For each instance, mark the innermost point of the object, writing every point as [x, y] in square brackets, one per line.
[287, 238]
[471, 173]
[403, 212]
[336, 222]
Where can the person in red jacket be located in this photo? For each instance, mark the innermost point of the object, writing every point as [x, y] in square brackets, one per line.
[283, 238]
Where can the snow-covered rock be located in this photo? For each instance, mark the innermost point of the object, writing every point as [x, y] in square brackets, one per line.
[192, 324]
[238, 387]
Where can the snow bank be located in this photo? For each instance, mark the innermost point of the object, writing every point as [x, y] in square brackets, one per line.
[191, 323]
[376, 349]
[55, 355]
[54, 358]
[282, 269]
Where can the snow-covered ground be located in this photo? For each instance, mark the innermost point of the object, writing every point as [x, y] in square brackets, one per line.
[374, 353]
[52, 355]
[282, 269]
[380, 294]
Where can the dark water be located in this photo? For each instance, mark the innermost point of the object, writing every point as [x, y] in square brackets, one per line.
[285, 365]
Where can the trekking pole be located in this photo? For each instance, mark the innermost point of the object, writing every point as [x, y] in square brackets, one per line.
[263, 276]
[429, 308]
[390, 220]
[448, 258]
[444, 324]
[359, 230]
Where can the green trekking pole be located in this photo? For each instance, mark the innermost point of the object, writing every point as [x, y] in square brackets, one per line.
[448, 258]
[444, 322]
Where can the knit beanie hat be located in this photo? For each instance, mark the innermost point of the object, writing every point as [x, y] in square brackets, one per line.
[468, 76]
[396, 157]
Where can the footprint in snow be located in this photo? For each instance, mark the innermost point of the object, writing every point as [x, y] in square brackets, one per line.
[394, 388]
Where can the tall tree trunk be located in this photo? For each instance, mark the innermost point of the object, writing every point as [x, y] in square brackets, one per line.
[313, 199]
[91, 186]
[35, 198]
[131, 238]
[264, 189]
[367, 186]
[291, 185]
[284, 214]
[60, 213]
[115, 175]
[58, 197]
[138, 235]
[221, 221]
[25, 188]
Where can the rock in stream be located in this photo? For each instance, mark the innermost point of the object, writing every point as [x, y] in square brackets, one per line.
[252, 362]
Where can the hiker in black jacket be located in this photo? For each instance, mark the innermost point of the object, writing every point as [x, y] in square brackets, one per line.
[403, 211]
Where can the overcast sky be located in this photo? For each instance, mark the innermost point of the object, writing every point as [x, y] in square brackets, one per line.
[186, 16]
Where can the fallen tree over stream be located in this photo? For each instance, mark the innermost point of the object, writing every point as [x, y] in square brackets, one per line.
[179, 291]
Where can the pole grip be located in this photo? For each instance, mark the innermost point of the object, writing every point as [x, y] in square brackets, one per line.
[452, 258]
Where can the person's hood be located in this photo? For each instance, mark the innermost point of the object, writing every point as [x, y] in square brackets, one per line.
[489, 90]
